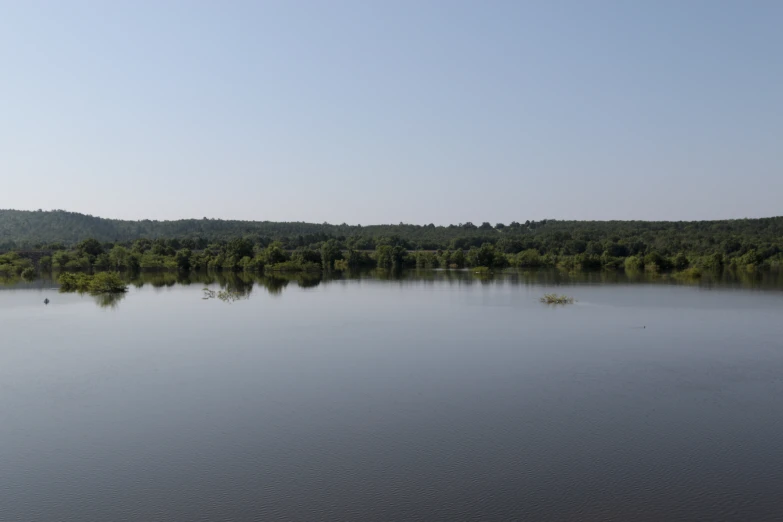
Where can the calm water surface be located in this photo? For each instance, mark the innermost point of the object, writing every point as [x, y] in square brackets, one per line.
[434, 397]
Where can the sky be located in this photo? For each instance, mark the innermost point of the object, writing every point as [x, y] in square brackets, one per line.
[409, 111]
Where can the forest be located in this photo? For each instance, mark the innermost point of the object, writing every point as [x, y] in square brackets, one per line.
[60, 240]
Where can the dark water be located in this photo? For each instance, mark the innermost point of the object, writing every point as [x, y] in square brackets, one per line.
[434, 397]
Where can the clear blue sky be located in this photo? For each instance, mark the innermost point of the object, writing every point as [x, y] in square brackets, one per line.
[380, 112]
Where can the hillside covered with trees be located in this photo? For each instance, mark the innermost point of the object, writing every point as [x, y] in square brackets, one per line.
[78, 241]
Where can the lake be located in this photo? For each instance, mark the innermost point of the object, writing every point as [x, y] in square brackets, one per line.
[432, 396]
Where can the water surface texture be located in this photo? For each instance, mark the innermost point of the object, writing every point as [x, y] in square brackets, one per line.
[433, 397]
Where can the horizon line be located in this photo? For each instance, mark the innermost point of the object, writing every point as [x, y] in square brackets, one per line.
[393, 224]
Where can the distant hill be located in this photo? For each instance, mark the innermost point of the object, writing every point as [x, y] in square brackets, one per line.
[31, 227]
[34, 229]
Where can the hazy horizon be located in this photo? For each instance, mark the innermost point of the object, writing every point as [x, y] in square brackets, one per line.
[415, 112]
[475, 222]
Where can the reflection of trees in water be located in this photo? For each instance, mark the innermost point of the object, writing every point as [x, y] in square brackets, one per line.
[238, 283]
[302, 279]
[309, 281]
[109, 300]
[274, 285]
[225, 295]
[237, 286]
[155, 279]
[233, 286]
[8, 281]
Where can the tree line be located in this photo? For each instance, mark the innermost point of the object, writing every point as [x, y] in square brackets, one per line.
[79, 242]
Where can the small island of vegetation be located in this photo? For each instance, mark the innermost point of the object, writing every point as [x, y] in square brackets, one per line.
[557, 299]
[99, 283]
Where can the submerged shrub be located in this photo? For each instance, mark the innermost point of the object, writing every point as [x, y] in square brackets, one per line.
[107, 283]
[633, 263]
[680, 262]
[101, 283]
[556, 299]
[293, 266]
[689, 273]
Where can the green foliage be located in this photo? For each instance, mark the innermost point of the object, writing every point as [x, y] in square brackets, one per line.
[457, 259]
[581, 262]
[70, 241]
[556, 299]
[70, 282]
[426, 260]
[330, 252]
[399, 256]
[239, 247]
[355, 259]
[182, 258]
[395, 257]
[61, 258]
[107, 283]
[118, 257]
[151, 261]
[65, 260]
[247, 264]
[383, 256]
[100, 283]
[293, 266]
[274, 254]
[633, 263]
[12, 264]
[486, 255]
[714, 262]
[732, 238]
[307, 255]
[102, 262]
[89, 247]
[654, 261]
[611, 263]
[680, 262]
[750, 260]
[530, 258]
[688, 273]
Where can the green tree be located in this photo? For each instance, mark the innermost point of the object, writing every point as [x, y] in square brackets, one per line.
[102, 261]
[714, 261]
[457, 258]
[274, 254]
[118, 257]
[655, 261]
[485, 255]
[61, 258]
[239, 247]
[680, 261]
[141, 245]
[303, 255]
[330, 252]
[633, 263]
[182, 257]
[529, 258]
[90, 247]
[384, 256]
[399, 256]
